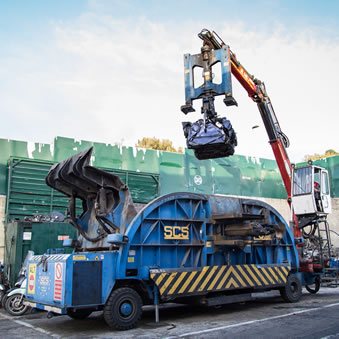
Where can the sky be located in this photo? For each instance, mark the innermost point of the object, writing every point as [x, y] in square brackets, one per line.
[112, 71]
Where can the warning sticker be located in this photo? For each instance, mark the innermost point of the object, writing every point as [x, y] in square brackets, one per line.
[31, 278]
[63, 237]
[79, 257]
[58, 281]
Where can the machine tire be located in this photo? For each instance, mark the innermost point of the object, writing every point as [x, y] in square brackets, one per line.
[79, 314]
[14, 307]
[316, 285]
[292, 291]
[2, 295]
[3, 301]
[122, 300]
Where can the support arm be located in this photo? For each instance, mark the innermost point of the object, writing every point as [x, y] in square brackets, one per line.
[257, 91]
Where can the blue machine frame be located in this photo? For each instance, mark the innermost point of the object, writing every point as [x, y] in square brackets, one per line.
[175, 240]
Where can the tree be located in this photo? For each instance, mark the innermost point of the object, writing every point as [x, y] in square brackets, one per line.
[316, 156]
[158, 144]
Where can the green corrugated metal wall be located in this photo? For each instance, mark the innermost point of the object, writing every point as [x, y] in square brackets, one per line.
[237, 175]
[28, 194]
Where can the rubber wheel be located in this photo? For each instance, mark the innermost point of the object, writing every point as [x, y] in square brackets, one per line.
[314, 288]
[292, 291]
[3, 301]
[79, 314]
[14, 305]
[123, 309]
[2, 294]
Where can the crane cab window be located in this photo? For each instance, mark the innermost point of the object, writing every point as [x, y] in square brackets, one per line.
[302, 181]
[324, 183]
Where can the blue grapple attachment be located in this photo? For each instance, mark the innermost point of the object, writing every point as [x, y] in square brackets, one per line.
[212, 136]
[106, 201]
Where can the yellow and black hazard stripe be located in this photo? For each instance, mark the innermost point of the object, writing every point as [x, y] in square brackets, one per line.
[218, 278]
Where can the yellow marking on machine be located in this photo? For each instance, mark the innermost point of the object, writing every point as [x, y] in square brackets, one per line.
[285, 269]
[31, 278]
[160, 278]
[79, 257]
[221, 284]
[283, 277]
[253, 276]
[218, 278]
[207, 280]
[244, 274]
[239, 278]
[221, 271]
[176, 232]
[202, 273]
[168, 281]
[188, 281]
[232, 282]
[273, 273]
[271, 280]
[175, 286]
[260, 275]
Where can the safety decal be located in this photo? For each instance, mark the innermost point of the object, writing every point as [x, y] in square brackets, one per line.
[219, 278]
[58, 281]
[31, 278]
[63, 237]
[79, 257]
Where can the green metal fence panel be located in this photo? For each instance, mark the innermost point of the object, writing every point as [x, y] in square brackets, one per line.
[227, 176]
[107, 156]
[28, 193]
[237, 175]
[144, 187]
[172, 173]
[333, 167]
[198, 174]
[65, 147]
[7, 148]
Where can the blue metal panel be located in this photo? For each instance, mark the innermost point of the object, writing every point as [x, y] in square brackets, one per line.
[46, 287]
[148, 247]
[221, 57]
[43, 286]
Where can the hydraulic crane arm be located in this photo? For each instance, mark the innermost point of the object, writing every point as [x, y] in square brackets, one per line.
[278, 140]
[257, 92]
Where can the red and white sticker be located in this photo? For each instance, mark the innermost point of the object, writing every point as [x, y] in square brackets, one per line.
[63, 237]
[57, 281]
[31, 278]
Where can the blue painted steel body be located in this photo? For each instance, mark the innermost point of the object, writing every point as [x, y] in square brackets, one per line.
[152, 251]
[45, 278]
[220, 57]
[175, 231]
